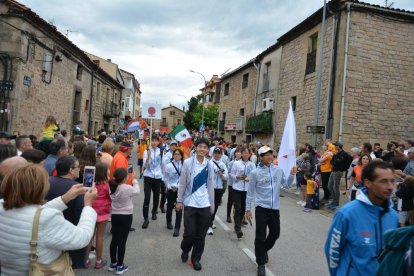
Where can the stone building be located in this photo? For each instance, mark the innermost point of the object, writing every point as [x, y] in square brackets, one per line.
[131, 96]
[209, 92]
[236, 99]
[44, 74]
[171, 116]
[107, 100]
[367, 75]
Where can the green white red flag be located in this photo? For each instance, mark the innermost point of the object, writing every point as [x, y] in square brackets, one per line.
[181, 134]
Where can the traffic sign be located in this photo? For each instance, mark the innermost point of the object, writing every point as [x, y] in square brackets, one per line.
[315, 129]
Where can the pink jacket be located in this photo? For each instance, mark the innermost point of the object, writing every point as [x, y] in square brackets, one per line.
[102, 203]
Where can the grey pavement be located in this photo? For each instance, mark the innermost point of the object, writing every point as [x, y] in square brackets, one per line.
[298, 251]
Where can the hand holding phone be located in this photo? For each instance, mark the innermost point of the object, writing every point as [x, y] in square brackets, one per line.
[130, 168]
[88, 177]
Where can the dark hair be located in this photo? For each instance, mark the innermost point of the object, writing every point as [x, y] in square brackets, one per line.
[369, 170]
[101, 173]
[7, 151]
[56, 145]
[242, 149]
[236, 150]
[155, 137]
[20, 139]
[181, 152]
[64, 133]
[78, 147]
[308, 175]
[120, 175]
[377, 144]
[398, 163]
[200, 141]
[302, 150]
[88, 157]
[32, 137]
[101, 139]
[34, 156]
[119, 138]
[411, 142]
[367, 146]
[64, 164]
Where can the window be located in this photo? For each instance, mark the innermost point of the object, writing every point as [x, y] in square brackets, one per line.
[87, 105]
[245, 82]
[172, 113]
[293, 101]
[178, 121]
[164, 120]
[79, 72]
[241, 111]
[311, 56]
[76, 107]
[98, 91]
[266, 75]
[224, 116]
[226, 89]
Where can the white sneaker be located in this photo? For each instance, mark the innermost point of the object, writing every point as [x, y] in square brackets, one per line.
[299, 202]
[213, 226]
[210, 231]
[303, 204]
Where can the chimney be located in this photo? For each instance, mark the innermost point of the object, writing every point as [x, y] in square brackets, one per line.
[109, 60]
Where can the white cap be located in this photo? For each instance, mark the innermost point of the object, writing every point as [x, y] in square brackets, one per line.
[264, 149]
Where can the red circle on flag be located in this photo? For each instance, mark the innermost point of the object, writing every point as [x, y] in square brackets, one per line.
[151, 110]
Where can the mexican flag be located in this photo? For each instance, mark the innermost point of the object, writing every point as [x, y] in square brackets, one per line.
[181, 134]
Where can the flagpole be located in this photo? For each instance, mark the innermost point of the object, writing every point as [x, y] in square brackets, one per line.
[150, 132]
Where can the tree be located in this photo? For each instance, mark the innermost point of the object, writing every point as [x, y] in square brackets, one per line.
[193, 117]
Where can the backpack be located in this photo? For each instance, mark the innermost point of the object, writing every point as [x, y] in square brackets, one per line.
[397, 245]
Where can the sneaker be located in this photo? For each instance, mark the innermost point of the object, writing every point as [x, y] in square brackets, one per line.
[307, 210]
[239, 234]
[154, 216]
[140, 176]
[213, 226]
[100, 264]
[176, 233]
[299, 202]
[169, 225]
[229, 220]
[303, 204]
[333, 205]
[145, 224]
[120, 269]
[162, 209]
[196, 265]
[112, 267]
[210, 231]
[184, 257]
[261, 270]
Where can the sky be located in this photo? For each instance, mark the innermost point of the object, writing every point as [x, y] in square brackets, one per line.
[159, 41]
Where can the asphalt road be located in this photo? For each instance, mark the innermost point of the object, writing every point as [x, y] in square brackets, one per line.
[298, 251]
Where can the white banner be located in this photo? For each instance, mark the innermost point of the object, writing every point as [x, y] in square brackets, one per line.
[151, 111]
[287, 151]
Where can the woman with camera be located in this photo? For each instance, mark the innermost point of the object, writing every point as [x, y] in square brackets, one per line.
[21, 209]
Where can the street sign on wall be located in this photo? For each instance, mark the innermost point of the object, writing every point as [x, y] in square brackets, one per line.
[230, 126]
[315, 129]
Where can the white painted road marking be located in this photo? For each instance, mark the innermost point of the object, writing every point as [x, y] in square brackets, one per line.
[225, 227]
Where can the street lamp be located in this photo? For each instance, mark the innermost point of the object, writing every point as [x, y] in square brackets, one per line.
[184, 97]
[205, 88]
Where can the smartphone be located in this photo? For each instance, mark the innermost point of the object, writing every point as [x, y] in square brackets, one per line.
[130, 168]
[88, 176]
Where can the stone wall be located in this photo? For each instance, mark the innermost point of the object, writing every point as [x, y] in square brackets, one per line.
[295, 83]
[237, 99]
[379, 106]
[30, 105]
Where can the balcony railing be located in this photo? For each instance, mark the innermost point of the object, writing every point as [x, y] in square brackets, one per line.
[112, 110]
[260, 124]
[239, 123]
[164, 124]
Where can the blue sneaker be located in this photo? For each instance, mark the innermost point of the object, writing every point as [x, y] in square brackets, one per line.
[112, 267]
[120, 269]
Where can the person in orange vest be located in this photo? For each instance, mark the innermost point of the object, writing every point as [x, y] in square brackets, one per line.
[121, 161]
[142, 147]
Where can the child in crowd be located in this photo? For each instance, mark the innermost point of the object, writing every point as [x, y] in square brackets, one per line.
[102, 206]
[310, 191]
[49, 129]
[121, 219]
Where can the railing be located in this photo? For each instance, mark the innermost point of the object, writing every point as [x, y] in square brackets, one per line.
[112, 110]
[261, 123]
[239, 123]
[164, 124]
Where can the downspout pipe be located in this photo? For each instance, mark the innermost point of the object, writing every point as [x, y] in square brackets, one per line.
[256, 65]
[341, 119]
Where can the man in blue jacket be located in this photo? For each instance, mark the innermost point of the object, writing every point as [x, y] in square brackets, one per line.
[265, 183]
[355, 239]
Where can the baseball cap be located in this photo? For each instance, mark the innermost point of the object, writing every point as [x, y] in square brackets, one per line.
[124, 146]
[264, 149]
[4, 134]
[339, 144]
[173, 142]
[217, 150]
[410, 150]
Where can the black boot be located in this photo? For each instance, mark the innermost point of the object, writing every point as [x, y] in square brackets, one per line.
[261, 270]
[169, 225]
[176, 232]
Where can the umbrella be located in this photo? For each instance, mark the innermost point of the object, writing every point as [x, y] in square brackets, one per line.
[133, 127]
